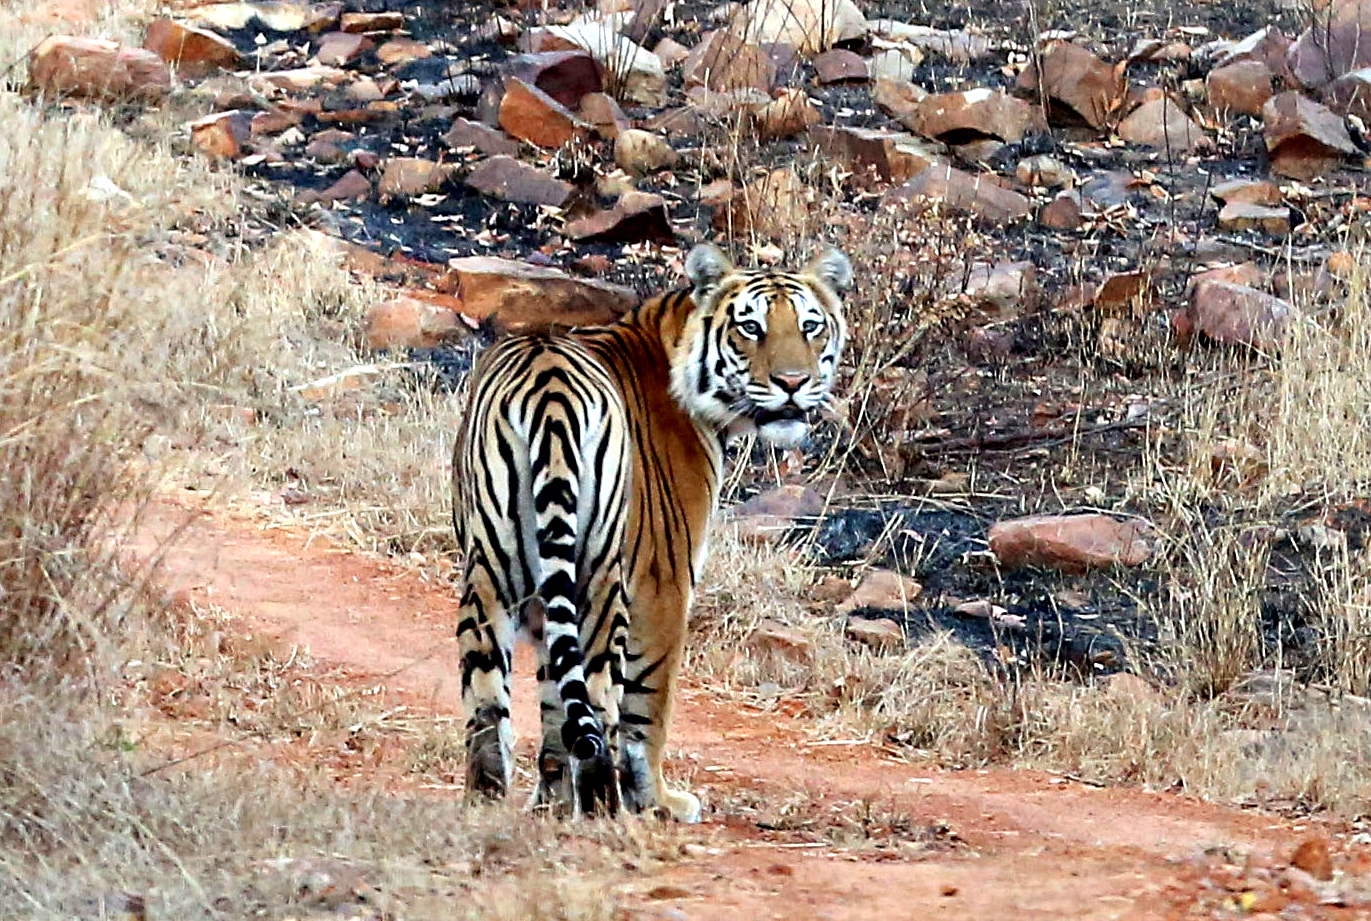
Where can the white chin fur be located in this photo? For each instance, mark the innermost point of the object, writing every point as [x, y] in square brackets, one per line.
[784, 434]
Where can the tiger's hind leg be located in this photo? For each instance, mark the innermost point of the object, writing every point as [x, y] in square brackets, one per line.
[554, 762]
[485, 636]
[604, 633]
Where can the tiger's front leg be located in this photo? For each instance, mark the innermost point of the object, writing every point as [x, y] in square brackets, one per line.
[655, 647]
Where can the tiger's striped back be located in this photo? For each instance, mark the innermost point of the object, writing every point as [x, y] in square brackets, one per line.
[584, 477]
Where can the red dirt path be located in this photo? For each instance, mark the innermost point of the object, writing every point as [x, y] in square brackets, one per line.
[1004, 844]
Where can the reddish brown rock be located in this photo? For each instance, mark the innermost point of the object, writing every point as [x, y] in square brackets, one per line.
[94, 68]
[840, 66]
[1333, 45]
[769, 516]
[532, 115]
[724, 62]
[1303, 138]
[643, 152]
[1122, 293]
[883, 589]
[1248, 274]
[1006, 287]
[1071, 543]
[1163, 125]
[789, 114]
[518, 294]
[1241, 216]
[407, 176]
[684, 123]
[1234, 314]
[772, 206]
[407, 322]
[671, 52]
[1249, 191]
[400, 51]
[193, 51]
[1350, 94]
[959, 117]
[1045, 171]
[1063, 212]
[566, 76]
[879, 634]
[604, 114]
[1313, 858]
[338, 48]
[962, 191]
[371, 22]
[873, 154]
[635, 217]
[352, 185]
[1268, 44]
[1243, 86]
[466, 133]
[508, 179]
[1079, 87]
[900, 100]
[222, 134]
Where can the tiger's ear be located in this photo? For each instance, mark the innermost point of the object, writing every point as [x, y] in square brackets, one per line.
[705, 265]
[833, 269]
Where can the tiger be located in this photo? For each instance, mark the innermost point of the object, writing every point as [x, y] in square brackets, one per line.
[585, 472]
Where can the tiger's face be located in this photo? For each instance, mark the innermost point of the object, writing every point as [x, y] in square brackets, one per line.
[760, 350]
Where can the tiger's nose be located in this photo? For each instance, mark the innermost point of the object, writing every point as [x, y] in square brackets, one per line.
[790, 382]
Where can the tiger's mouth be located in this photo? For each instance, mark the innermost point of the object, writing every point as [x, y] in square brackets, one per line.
[790, 413]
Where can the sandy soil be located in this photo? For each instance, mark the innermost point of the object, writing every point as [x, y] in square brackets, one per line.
[796, 826]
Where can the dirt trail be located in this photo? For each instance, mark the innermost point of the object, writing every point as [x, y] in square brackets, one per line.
[1012, 843]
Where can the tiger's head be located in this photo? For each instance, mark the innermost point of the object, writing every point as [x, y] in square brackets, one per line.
[759, 351]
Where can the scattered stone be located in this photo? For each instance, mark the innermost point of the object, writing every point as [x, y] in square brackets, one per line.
[566, 76]
[1121, 293]
[774, 637]
[886, 156]
[352, 185]
[299, 79]
[400, 51]
[879, 634]
[900, 63]
[408, 322]
[716, 194]
[1303, 138]
[409, 176]
[1243, 216]
[532, 115]
[635, 217]
[604, 115]
[635, 74]
[1247, 191]
[1045, 172]
[1268, 44]
[1079, 87]
[338, 48]
[769, 516]
[1162, 124]
[883, 589]
[1313, 858]
[686, 122]
[1243, 86]
[671, 52]
[809, 26]
[962, 191]
[956, 118]
[955, 45]
[1243, 273]
[335, 385]
[1332, 45]
[509, 179]
[323, 150]
[466, 133]
[276, 15]
[769, 207]
[1004, 286]
[63, 65]
[193, 51]
[900, 100]
[222, 134]
[1063, 212]
[1350, 94]
[372, 22]
[1071, 543]
[519, 294]
[643, 152]
[840, 66]
[1234, 314]
[723, 62]
[789, 114]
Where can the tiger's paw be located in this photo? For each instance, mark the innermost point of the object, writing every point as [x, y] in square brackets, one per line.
[683, 806]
